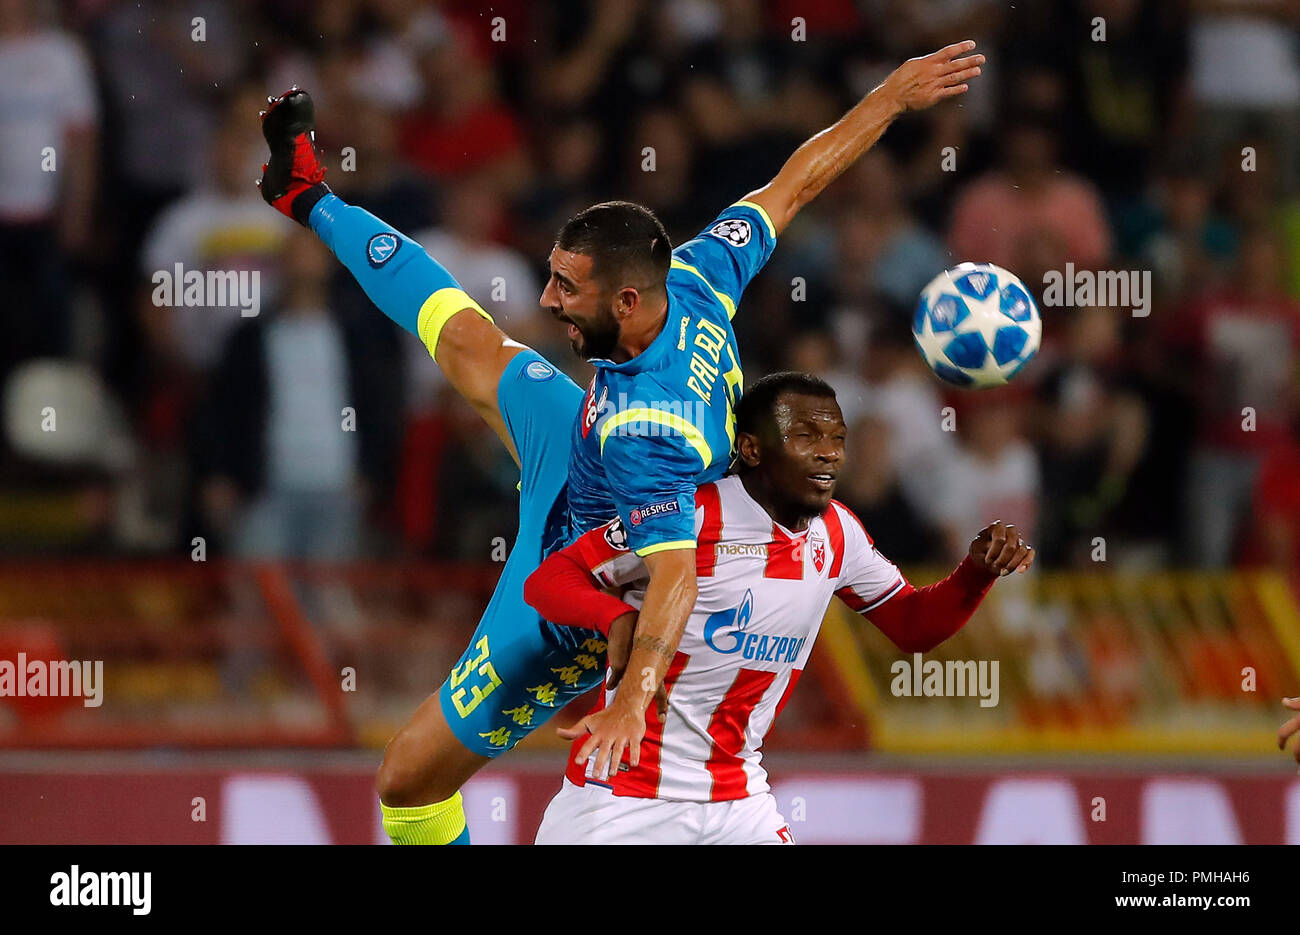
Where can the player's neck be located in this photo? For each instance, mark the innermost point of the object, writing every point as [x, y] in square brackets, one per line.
[792, 517]
[639, 335]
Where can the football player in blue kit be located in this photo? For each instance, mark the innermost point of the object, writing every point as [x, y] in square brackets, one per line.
[656, 422]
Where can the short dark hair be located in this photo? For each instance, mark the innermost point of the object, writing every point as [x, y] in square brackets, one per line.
[624, 240]
[757, 406]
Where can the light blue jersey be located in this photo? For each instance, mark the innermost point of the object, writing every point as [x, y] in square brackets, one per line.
[654, 428]
[649, 431]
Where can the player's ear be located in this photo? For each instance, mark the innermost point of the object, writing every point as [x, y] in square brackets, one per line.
[747, 449]
[629, 300]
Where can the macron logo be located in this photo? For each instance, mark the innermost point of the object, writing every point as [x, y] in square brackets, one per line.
[75, 888]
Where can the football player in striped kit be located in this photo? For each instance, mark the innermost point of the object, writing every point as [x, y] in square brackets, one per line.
[773, 548]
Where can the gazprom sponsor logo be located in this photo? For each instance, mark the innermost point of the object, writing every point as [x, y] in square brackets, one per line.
[726, 632]
[766, 648]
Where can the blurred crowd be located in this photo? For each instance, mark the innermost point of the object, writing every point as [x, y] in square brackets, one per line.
[1161, 136]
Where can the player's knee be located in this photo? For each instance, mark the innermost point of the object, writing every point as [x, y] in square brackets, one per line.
[404, 777]
[416, 771]
[399, 786]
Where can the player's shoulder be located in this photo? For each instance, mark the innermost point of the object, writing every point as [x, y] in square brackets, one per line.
[738, 225]
[713, 498]
[691, 289]
[652, 388]
[843, 524]
[717, 262]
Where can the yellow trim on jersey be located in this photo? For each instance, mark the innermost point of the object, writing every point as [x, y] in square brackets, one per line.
[771, 228]
[735, 380]
[693, 436]
[729, 305]
[437, 310]
[666, 547]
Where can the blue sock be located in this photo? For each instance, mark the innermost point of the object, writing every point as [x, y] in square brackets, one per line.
[393, 269]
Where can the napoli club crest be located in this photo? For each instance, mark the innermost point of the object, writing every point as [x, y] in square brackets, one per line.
[381, 248]
[817, 548]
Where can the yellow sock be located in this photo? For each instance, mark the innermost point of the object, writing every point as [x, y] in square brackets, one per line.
[440, 823]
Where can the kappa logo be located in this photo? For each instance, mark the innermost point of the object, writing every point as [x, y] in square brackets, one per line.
[735, 231]
[381, 248]
[616, 535]
[817, 547]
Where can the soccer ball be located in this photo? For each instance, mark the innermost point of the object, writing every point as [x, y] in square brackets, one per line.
[976, 325]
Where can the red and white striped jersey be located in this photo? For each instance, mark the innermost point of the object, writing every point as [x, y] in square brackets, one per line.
[763, 591]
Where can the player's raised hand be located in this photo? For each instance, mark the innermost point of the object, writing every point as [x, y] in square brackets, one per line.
[1291, 727]
[923, 82]
[999, 550]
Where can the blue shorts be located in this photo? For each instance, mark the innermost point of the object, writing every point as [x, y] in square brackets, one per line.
[515, 674]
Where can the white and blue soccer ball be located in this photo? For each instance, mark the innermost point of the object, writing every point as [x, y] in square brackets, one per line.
[976, 325]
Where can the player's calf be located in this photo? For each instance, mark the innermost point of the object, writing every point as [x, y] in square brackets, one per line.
[420, 778]
[424, 762]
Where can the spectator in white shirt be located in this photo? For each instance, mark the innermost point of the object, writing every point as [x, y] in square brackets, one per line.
[48, 143]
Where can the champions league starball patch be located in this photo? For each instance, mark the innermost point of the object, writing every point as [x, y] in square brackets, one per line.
[616, 535]
[735, 231]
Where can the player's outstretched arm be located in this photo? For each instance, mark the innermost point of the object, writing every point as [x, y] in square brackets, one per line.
[918, 620]
[915, 85]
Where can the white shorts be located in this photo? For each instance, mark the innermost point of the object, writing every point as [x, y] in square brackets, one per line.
[592, 814]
